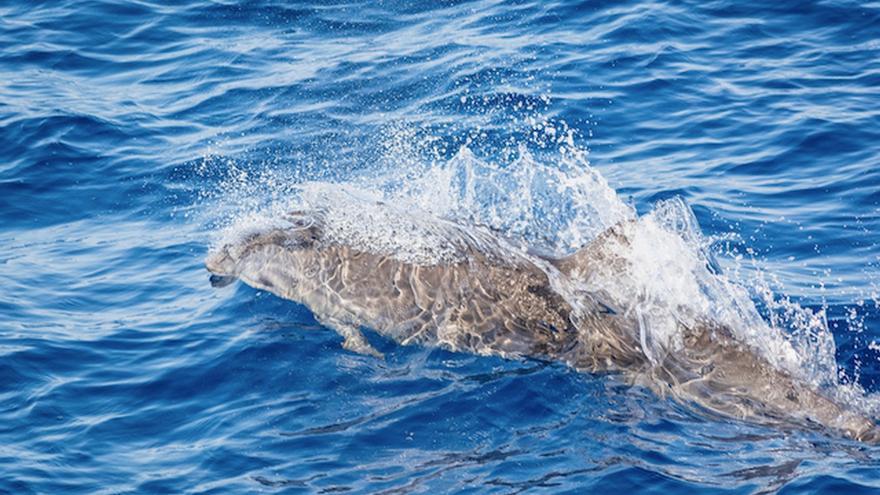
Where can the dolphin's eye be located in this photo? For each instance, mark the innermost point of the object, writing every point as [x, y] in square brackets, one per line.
[299, 220]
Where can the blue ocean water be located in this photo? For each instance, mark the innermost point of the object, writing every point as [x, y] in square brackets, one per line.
[132, 133]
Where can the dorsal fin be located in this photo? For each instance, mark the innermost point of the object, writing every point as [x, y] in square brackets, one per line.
[597, 251]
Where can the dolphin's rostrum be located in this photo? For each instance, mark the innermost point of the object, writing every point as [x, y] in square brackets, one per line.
[492, 298]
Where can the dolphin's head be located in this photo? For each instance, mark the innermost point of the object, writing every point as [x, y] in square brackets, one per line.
[222, 265]
[267, 256]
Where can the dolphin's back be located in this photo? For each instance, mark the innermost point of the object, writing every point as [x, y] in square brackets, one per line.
[725, 376]
[711, 367]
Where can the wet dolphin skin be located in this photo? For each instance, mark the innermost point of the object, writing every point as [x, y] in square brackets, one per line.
[488, 298]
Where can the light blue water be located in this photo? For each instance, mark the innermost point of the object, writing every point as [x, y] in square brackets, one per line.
[131, 133]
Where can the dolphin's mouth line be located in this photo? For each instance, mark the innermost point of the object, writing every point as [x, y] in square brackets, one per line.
[221, 280]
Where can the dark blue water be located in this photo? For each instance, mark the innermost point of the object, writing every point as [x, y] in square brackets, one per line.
[131, 131]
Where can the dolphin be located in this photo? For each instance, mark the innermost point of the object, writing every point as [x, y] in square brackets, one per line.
[491, 297]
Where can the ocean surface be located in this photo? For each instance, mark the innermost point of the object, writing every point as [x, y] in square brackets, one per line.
[137, 136]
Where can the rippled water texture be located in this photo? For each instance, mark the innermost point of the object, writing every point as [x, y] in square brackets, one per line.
[135, 135]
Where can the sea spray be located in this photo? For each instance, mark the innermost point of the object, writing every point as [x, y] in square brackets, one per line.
[544, 204]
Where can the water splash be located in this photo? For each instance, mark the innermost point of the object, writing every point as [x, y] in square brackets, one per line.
[419, 204]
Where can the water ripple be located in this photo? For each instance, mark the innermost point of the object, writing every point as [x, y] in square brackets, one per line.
[123, 371]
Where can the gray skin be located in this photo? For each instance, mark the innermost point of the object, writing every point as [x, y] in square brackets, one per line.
[487, 303]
